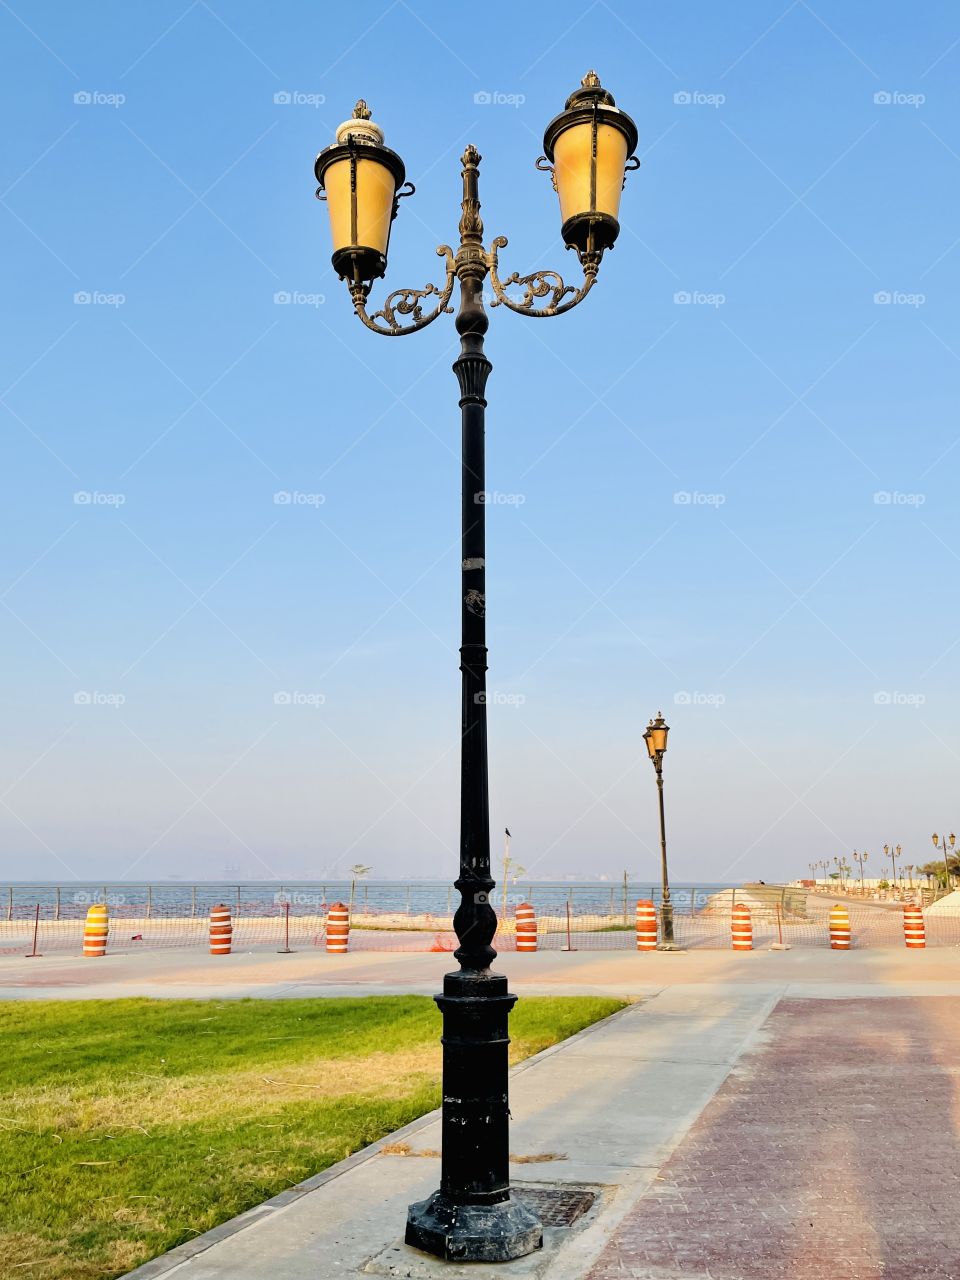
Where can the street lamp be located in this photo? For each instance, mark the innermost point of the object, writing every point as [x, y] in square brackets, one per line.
[656, 739]
[941, 843]
[860, 859]
[588, 149]
[893, 854]
[843, 867]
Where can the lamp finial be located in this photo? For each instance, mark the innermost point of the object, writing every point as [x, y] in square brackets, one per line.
[361, 111]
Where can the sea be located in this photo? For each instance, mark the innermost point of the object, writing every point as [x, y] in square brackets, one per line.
[19, 900]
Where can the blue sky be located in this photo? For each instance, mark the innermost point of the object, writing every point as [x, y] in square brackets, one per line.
[795, 617]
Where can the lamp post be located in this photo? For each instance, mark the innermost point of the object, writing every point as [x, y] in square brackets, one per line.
[941, 843]
[588, 149]
[843, 867]
[860, 859]
[656, 739]
[893, 853]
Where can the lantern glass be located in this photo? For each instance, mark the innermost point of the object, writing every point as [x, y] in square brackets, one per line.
[658, 731]
[579, 188]
[361, 206]
[936, 841]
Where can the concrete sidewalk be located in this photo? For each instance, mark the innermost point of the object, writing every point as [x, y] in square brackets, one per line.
[267, 975]
[602, 1111]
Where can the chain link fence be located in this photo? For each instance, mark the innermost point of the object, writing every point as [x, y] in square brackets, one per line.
[417, 918]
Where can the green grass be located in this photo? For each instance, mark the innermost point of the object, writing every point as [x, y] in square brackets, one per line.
[129, 1126]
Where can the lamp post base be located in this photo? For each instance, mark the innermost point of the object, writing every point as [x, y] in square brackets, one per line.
[669, 946]
[473, 1232]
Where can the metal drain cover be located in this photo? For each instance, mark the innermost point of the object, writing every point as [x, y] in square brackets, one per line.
[556, 1206]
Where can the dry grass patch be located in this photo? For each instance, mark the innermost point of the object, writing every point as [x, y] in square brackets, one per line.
[129, 1126]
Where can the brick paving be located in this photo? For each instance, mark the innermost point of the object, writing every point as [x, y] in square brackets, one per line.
[830, 1153]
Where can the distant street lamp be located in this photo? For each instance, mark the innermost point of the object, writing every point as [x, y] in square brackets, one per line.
[843, 867]
[656, 739]
[589, 147]
[941, 843]
[893, 854]
[824, 865]
[861, 858]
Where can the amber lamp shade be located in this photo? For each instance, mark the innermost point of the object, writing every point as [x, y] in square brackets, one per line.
[656, 736]
[589, 145]
[359, 179]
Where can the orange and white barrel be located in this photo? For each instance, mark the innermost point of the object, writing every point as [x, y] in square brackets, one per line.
[646, 925]
[221, 930]
[526, 927]
[338, 929]
[741, 927]
[839, 928]
[914, 934]
[95, 930]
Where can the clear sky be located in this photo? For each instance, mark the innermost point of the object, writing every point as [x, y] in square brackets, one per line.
[799, 187]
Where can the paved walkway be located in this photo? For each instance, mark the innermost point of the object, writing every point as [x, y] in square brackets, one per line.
[830, 1151]
[265, 974]
[785, 1115]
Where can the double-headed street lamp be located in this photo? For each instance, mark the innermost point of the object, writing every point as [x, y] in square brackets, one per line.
[941, 843]
[656, 739]
[893, 853]
[588, 149]
[860, 859]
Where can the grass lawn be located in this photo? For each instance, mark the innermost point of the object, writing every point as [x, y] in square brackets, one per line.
[129, 1126]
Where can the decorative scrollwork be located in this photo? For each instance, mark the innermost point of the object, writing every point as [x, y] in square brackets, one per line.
[550, 285]
[406, 302]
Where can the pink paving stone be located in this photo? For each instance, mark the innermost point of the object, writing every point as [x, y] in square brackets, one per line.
[829, 1153]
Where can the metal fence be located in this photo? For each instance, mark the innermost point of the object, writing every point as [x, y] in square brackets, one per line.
[578, 920]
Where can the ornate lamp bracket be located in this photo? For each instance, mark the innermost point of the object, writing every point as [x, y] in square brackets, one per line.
[548, 285]
[390, 319]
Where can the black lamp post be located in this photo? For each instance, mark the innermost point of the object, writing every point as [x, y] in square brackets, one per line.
[860, 859]
[589, 148]
[893, 853]
[656, 739]
[941, 843]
